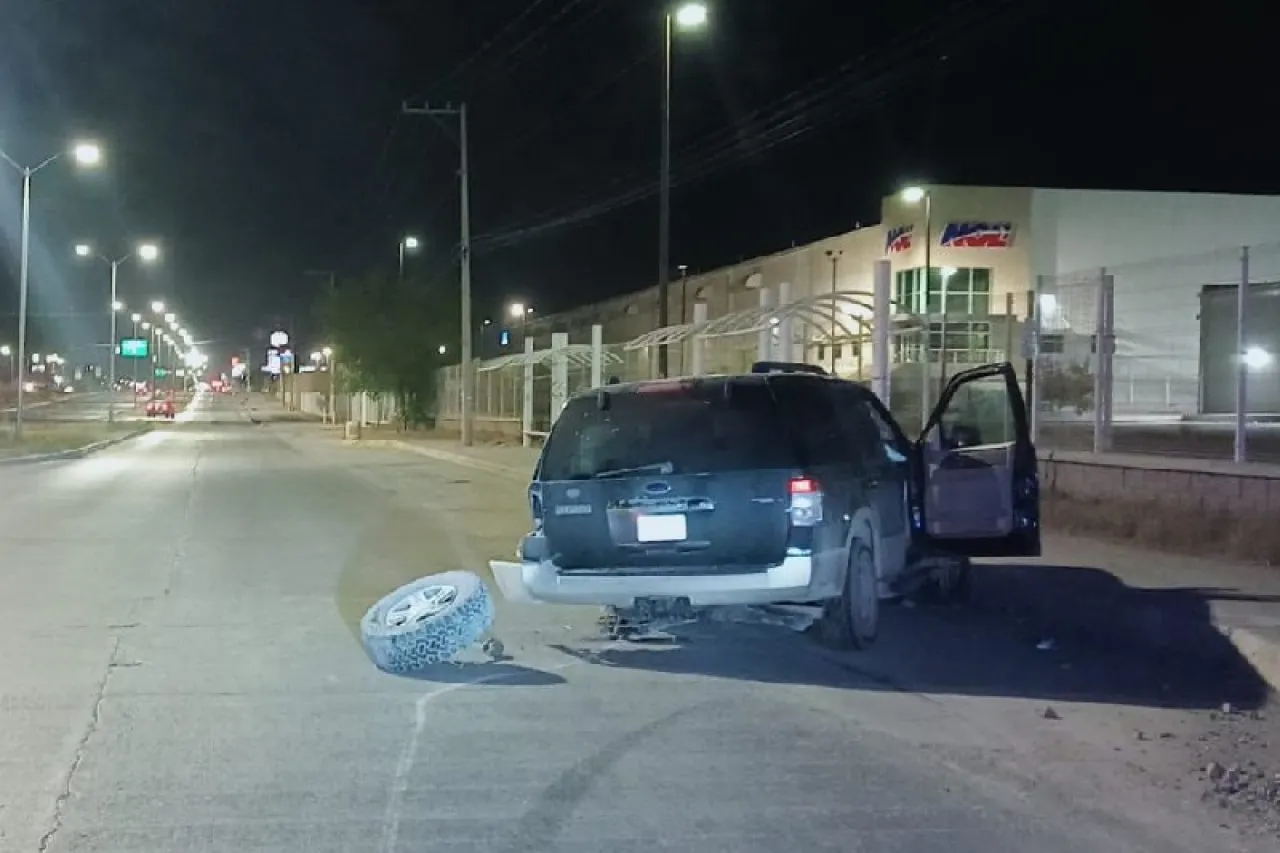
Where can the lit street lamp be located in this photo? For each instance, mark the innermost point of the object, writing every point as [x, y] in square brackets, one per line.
[520, 311]
[85, 154]
[915, 195]
[407, 244]
[6, 351]
[146, 252]
[688, 16]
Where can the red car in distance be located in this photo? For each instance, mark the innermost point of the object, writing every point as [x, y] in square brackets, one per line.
[160, 408]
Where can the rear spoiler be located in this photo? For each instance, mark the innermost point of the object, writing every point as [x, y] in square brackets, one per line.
[787, 367]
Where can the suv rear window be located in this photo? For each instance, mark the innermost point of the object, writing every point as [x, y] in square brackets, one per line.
[697, 427]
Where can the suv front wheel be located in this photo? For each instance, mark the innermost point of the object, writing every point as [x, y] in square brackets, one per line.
[852, 621]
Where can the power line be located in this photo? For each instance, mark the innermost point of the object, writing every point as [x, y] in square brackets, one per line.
[510, 26]
[788, 118]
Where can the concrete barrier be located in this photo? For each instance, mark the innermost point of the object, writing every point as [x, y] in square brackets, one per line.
[1187, 505]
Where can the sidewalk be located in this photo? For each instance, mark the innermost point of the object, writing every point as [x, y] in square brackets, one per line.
[1190, 606]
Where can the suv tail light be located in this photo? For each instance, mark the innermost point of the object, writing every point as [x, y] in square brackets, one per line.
[806, 502]
[535, 506]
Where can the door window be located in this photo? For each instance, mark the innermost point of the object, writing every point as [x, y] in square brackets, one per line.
[979, 413]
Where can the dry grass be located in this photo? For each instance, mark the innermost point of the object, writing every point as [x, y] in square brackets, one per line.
[1162, 527]
[52, 436]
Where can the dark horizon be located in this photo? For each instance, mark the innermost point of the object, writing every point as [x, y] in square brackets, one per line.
[254, 150]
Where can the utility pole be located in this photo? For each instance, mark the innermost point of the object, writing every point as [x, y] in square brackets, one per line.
[468, 367]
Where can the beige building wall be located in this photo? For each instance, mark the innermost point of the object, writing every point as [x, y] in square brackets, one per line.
[809, 270]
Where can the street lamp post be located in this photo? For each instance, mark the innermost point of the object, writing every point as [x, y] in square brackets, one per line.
[86, 154]
[520, 311]
[147, 252]
[406, 244]
[689, 16]
[914, 195]
[136, 318]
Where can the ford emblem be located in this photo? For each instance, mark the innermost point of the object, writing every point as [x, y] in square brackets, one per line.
[573, 493]
[658, 488]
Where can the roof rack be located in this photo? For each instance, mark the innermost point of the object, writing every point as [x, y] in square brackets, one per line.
[787, 367]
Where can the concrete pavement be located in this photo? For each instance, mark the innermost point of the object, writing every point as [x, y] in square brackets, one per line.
[181, 671]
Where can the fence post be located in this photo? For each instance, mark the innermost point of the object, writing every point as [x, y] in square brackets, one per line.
[696, 342]
[559, 374]
[1240, 450]
[1035, 326]
[784, 326]
[881, 320]
[1099, 381]
[597, 355]
[1107, 357]
[764, 338]
[526, 399]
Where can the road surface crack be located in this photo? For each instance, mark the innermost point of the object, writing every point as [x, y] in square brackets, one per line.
[59, 805]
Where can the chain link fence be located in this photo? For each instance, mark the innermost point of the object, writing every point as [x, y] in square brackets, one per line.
[1148, 356]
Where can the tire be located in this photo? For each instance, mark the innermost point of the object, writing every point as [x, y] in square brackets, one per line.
[442, 615]
[852, 621]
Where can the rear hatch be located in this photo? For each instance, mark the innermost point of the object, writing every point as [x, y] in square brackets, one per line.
[680, 477]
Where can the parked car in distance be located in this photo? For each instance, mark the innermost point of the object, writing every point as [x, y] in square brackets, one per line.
[783, 485]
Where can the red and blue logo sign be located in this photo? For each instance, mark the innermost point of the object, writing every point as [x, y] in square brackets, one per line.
[977, 235]
[898, 239]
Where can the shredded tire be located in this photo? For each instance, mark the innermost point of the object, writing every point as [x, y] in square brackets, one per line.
[416, 645]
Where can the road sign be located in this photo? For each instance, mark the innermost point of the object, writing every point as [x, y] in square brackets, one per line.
[161, 373]
[135, 348]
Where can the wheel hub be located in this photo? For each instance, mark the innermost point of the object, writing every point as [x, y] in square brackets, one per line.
[420, 605]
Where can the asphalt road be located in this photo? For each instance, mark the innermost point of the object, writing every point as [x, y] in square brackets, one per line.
[181, 671]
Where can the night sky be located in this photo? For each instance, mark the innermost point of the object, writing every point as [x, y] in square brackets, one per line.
[258, 139]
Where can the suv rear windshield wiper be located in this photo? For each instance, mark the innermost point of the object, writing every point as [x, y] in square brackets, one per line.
[654, 468]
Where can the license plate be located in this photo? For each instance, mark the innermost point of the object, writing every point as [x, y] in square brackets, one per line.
[661, 528]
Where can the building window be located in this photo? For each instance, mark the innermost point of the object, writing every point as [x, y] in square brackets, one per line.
[968, 291]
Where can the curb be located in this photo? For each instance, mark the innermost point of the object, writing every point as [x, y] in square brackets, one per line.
[1261, 651]
[460, 459]
[75, 452]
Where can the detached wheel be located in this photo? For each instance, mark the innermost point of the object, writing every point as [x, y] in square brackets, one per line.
[852, 621]
[427, 622]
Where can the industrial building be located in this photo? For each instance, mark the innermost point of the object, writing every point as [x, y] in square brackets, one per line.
[988, 249]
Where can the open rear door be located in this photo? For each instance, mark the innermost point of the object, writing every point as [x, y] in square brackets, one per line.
[977, 468]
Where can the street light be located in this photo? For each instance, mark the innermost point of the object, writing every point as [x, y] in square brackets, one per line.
[146, 252]
[6, 351]
[915, 195]
[85, 154]
[688, 16]
[407, 244]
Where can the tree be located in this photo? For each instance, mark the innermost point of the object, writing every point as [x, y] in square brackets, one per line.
[1066, 387]
[387, 333]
